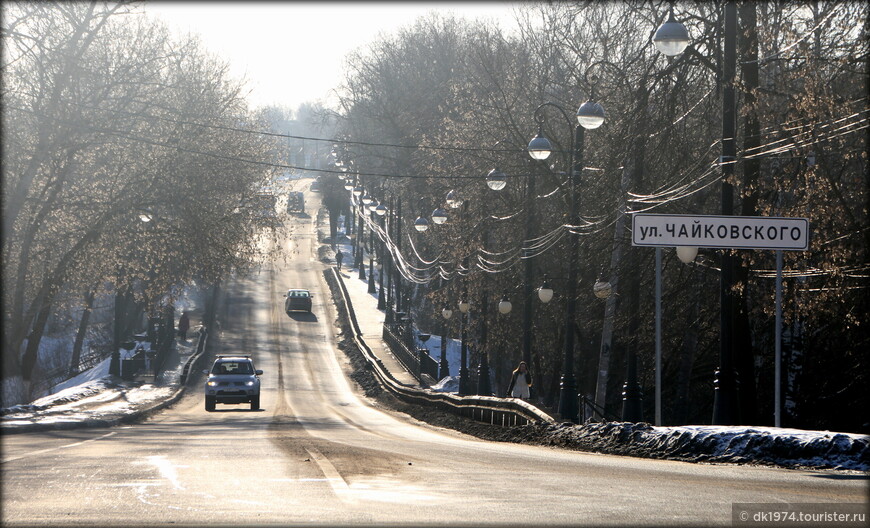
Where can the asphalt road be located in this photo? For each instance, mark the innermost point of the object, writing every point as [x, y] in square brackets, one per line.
[320, 453]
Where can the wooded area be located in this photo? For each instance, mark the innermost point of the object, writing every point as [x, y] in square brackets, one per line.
[120, 177]
[437, 106]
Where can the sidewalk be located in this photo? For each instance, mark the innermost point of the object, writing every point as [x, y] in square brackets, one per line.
[94, 398]
[371, 324]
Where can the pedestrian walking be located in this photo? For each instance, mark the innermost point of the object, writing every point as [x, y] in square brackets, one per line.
[183, 326]
[339, 256]
[521, 380]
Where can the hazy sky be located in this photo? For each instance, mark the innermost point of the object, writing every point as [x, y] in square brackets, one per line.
[293, 52]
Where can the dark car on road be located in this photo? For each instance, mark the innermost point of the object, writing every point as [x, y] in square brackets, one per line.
[296, 202]
[297, 299]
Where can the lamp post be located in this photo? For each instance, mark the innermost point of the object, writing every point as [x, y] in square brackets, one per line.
[372, 206]
[528, 273]
[671, 39]
[398, 234]
[464, 307]
[484, 387]
[380, 211]
[589, 115]
[443, 367]
[423, 352]
[388, 317]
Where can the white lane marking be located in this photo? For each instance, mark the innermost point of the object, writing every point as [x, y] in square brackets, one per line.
[50, 449]
[167, 469]
[339, 486]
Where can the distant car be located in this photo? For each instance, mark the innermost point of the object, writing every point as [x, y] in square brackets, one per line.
[233, 380]
[315, 186]
[295, 202]
[297, 299]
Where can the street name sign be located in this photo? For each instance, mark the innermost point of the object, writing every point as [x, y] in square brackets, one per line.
[738, 232]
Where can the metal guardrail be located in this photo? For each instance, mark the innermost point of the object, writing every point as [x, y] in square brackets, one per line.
[488, 409]
[192, 360]
[417, 363]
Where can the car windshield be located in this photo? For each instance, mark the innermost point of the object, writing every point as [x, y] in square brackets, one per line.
[232, 367]
[298, 293]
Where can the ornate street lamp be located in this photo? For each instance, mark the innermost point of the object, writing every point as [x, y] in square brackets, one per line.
[589, 115]
[464, 307]
[540, 147]
[505, 306]
[726, 409]
[672, 37]
[453, 200]
[545, 292]
[602, 288]
[687, 254]
[421, 224]
[439, 216]
[496, 180]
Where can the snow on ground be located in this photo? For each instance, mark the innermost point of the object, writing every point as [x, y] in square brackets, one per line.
[448, 384]
[792, 448]
[800, 447]
[101, 370]
[95, 395]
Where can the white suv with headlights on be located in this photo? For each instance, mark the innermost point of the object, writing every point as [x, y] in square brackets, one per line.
[232, 379]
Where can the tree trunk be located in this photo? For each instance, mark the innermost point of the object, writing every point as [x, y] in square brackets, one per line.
[31, 352]
[80, 334]
[632, 177]
[610, 303]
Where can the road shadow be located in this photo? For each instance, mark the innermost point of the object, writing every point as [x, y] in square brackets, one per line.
[303, 317]
[842, 477]
[238, 410]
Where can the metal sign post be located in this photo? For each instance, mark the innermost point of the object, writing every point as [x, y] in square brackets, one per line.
[777, 404]
[726, 232]
[658, 336]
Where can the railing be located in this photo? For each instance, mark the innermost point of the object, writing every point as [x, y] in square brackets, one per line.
[417, 363]
[191, 362]
[591, 411]
[498, 411]
[90, 359]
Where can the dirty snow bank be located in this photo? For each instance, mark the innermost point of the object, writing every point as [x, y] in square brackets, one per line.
[740, 444]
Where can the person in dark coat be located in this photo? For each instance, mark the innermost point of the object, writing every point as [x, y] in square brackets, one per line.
[183, 326]
[339, 256]
[521, 380]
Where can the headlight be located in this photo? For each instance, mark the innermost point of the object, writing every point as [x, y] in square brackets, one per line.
[250, 384]
[211, 383]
